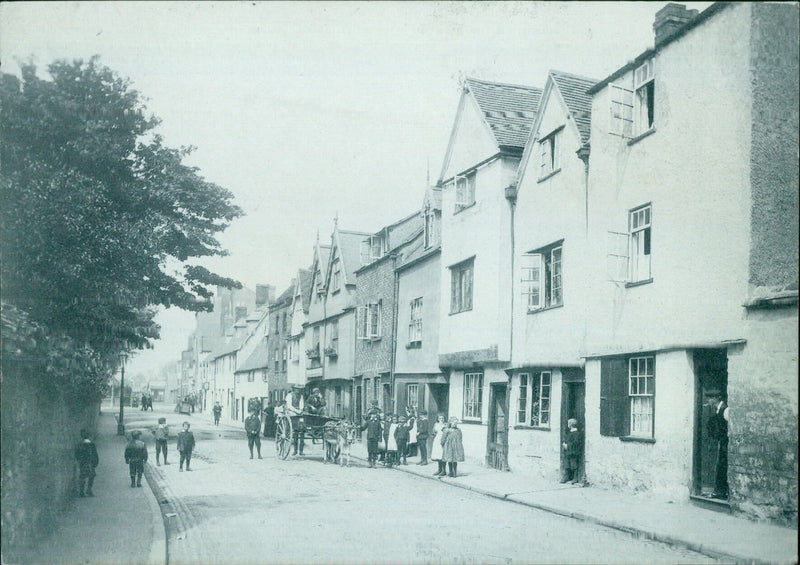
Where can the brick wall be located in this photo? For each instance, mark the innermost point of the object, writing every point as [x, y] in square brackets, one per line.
[376, 282]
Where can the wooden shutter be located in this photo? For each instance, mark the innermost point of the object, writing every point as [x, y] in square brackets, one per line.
[621, 106]
[533, 280]
[365, 250]
[617, 258]
[614, 412]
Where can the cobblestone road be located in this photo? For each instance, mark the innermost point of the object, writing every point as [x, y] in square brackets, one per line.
[234, 510]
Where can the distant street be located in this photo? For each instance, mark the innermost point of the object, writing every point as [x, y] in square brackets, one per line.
[231, 509]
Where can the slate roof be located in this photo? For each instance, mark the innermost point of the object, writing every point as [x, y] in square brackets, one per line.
[234, 343]
[509, 109]
[573, 90]
[304, 276]
[258, 359]
[350, 252]
[285, 297]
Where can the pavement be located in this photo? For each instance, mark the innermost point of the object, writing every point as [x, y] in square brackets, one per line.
[125, 525]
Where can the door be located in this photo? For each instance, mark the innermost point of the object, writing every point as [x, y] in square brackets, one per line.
[438, 394]
[573, 406]
[711, 377]
[497, 445]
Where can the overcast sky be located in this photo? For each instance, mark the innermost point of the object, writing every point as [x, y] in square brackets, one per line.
[306, 110]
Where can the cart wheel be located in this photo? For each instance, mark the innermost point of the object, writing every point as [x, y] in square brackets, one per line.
[283, 436]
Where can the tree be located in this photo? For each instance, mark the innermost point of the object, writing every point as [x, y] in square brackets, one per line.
[97, 211]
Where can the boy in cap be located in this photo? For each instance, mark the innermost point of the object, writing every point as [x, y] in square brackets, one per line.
[135, 457]
[185, 446]
[423, 432]
[252, 425]
[86, 454]
[374, 431]
[401, 437]
[161, 433]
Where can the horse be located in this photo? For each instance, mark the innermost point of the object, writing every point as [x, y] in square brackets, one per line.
[338, 437]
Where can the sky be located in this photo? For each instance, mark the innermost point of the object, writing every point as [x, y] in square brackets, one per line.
[307, 111]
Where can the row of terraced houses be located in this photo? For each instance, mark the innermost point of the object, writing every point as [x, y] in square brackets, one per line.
[613, 251]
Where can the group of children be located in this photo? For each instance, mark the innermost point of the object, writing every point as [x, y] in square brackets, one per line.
[136, 450]
[392, 438]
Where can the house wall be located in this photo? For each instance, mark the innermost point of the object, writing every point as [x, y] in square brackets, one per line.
[343, 365]
[420, 280]
[536, 450]
[375, 283]
[481, 231]
[473, 141]
[698, 184]
[664, 467]
[278, 340]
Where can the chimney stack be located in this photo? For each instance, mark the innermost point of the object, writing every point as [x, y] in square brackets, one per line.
[265, 294]
[241, 312]
[670, 19]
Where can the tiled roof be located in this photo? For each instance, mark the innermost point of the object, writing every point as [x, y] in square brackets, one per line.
[258, 359]
[573, 90]
[509, 109]
[304, 276]
[232, 344]
[416, 250]
[285, 297]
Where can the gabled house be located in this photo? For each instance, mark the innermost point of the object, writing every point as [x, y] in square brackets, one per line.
[375, 302]
[491, 128]
[330, 332]
[296, 370]
[693, 223]
[418, 381]
[549, 292]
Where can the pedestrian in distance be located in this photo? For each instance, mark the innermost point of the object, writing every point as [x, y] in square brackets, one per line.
[439, 429]
[423, 432]
[136, 457]
[573, 451]
[718, 432]
[374, 435]
[385, 423]
[252, 425]
[217, 410]
[161, 433]
[86, 455]
[452, 447]
[144, 402]
[185, 446]
[411, 424]
[401, 437]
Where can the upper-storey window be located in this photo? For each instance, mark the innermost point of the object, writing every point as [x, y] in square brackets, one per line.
[461, 286]
[542, 285]
[431, 227]
[336, 275]
[629, 255]
[549, 149]
[372, 248]
[465, 191]
[633, 110]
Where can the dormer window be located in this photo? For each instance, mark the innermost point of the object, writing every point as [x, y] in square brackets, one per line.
[549, 149]
[431, 227]
[372, 248]
[644, 88]
[465, 191]
[336, 275]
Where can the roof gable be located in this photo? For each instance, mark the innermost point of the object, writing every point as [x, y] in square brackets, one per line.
[572, 89]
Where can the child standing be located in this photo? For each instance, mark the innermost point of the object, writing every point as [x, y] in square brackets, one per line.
[572, 449]
[401, 437]
[391, 443]
[136, 457]
[436, 449]
[422, 437]
[185, 446]
[161, 433]
[86, 454]
[453, 447]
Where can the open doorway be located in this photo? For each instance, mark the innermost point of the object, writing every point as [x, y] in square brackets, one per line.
[711, 381]
[573, 398]
[497, 448]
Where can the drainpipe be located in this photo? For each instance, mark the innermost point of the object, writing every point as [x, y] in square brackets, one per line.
[395, 309]
[583, 155]
[511, 196]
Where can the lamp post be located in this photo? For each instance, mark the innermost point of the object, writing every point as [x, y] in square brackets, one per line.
[120, 423]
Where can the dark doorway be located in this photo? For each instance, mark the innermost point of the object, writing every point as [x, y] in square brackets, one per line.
[439, 406]
[711, 377]
[497, 447]
[573, 406]
[387, 399]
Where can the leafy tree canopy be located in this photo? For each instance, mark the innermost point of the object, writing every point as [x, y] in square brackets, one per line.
[97, 211]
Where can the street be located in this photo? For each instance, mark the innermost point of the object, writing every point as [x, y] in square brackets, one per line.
[231, 509]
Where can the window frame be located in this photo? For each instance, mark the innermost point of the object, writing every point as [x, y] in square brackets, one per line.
[336, 275]
[462, 277]
[618, 405]
[644, 381]
[542, 277]
[535, 398]
[464, 190]
[550, 153]
[644, 97]
[415, 322]
[415, 396]
[640, 221]
[472, 398]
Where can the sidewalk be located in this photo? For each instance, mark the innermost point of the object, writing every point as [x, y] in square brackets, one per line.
[120, 524]
[711, 533]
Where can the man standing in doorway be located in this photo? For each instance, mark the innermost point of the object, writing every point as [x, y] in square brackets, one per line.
[718, 431]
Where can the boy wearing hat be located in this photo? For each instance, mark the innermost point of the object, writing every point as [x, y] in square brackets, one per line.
[374, 430]
[161, 433]
[86, 454]
[423, 432]
[401, 437]
[135, 457]
[185, 446]
[315, 403]
[252, 425]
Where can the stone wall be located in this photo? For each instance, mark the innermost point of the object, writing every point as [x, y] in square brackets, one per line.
[39, 433]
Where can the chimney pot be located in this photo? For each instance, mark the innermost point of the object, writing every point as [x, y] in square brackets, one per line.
[670, 19]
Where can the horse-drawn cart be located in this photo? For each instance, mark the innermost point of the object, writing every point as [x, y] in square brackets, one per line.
[326, 429]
